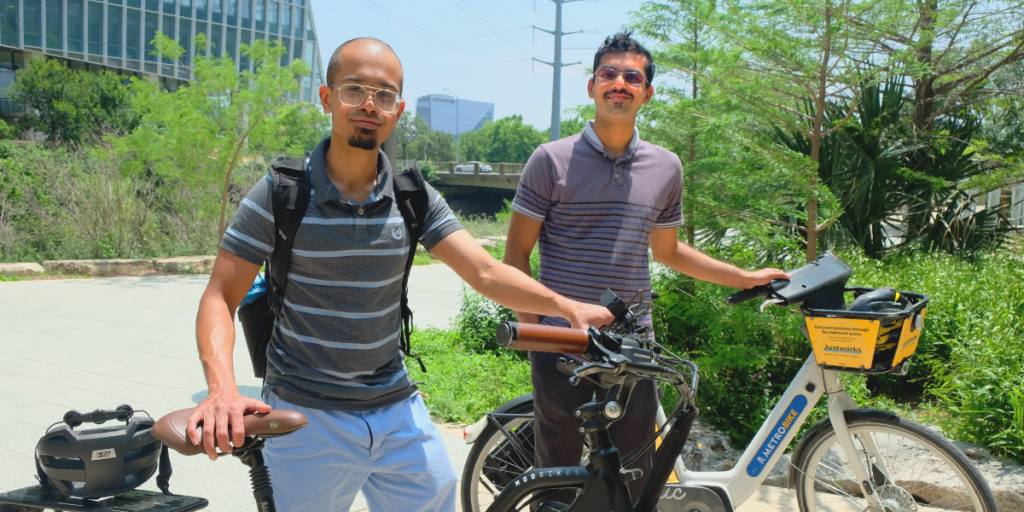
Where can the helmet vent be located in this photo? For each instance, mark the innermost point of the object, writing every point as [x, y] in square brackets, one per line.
[51, 461]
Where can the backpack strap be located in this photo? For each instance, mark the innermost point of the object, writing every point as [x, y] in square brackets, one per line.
[290, 198]
[414, 203]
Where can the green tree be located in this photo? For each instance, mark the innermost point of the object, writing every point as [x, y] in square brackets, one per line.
[513, 141]
[302, 126]
[427, 144]
[200, 133]
[71, 107]
[786, 61]
[570, 127]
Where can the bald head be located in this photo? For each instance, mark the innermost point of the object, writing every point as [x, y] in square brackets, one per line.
[367, 47]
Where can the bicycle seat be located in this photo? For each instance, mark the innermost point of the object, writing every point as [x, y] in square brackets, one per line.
[171, 428]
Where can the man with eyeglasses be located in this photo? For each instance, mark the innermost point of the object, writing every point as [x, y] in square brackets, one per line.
[334, 354]
[597, 201]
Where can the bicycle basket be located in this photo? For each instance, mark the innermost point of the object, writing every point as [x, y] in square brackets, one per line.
[875, 339]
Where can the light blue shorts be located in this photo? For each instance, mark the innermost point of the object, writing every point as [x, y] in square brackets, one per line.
[395, 455]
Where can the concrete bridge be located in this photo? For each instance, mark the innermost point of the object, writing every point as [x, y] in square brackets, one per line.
[476, 191]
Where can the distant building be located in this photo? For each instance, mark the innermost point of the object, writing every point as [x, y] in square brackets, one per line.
[439, 110]
[116, 35]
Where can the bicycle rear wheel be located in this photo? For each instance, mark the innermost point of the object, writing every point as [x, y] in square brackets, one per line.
[495, 460]
[914, 469]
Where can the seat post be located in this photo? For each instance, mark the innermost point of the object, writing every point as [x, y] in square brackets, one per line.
[251, 454]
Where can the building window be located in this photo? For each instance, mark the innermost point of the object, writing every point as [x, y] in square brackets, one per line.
[76, 34]
[243, 60]
[95, 28]
[216, 34]
[114, 32]
[296, 50]
[9, 22]
[152, 5]
[185, 39]
[201, 29]
[231, 43]
[169, 32]
[55, 24]
[286, 43]
[152, 25]
[169, 6]
[33, 23]
[259, 10]
[286, 19]
[133, 33]
[272, 17]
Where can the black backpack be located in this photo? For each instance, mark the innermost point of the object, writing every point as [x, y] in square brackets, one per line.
[290, 197]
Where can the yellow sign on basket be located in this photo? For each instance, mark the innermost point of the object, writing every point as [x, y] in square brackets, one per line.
[908, 339]
[845, 342]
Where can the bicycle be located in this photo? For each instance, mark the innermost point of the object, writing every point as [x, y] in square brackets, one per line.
[170, 430]
[872, 459]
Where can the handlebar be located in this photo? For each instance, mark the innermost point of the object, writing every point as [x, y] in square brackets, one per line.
[757, 292]
[542, 338]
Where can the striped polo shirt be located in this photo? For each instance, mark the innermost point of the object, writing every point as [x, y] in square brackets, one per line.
[336, 344]
[597, 212]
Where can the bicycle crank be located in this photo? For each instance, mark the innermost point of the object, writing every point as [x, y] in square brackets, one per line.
[688, 498]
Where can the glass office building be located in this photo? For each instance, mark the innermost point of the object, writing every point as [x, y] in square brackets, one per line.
[439, 111]
[117, 35]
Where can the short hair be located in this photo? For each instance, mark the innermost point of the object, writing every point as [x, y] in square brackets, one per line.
[623, 42]
[334, 65]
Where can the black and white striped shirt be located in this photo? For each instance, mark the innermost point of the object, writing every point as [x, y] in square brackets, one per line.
[336, 346]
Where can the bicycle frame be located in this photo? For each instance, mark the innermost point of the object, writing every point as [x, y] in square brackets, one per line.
[778, 431]
[737, 484]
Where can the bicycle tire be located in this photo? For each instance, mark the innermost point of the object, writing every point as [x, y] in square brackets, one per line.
[915, 479]
[477, 489]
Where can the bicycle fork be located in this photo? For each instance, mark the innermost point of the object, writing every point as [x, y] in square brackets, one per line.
[838, 403]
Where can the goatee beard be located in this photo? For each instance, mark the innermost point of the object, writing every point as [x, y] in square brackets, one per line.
[363, 139]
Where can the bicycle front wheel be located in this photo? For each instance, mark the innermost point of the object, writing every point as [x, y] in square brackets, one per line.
[495, 460]
[912, 469]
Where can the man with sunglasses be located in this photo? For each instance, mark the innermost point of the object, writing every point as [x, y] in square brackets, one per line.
[597, 201]
[334, 354]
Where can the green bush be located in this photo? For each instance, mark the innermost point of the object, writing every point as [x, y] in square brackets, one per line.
[462, 384]
[967, 374]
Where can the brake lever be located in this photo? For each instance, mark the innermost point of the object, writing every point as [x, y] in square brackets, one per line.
[770, 302]
[589, 369]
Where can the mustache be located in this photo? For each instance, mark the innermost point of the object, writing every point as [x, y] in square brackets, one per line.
[618, 91]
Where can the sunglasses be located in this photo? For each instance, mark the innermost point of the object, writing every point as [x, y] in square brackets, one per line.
[630, 77]
[354, 95]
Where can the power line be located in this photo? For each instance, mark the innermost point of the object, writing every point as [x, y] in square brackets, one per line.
[494, 29]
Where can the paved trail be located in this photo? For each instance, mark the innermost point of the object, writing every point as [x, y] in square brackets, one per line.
[99, 343]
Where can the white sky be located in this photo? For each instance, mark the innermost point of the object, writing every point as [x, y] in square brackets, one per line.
[480, 49]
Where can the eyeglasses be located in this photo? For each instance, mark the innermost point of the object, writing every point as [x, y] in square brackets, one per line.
[353, 95]
[631, 77]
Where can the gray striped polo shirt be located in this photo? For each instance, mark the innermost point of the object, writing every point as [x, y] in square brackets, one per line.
[597, 213]
[336, 345]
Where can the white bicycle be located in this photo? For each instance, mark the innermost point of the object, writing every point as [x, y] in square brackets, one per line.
[856, 459]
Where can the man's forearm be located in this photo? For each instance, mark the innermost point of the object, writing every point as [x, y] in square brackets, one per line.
[215, 337]
[521, 262]
[516, 289]
[690, 261]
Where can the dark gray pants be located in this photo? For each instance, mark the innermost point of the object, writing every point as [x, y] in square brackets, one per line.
[559, 442]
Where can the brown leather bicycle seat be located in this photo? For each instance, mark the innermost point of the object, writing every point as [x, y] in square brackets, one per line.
[171, 428]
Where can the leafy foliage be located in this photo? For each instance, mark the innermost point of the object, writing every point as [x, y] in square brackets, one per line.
[199, 134]
[71, 107]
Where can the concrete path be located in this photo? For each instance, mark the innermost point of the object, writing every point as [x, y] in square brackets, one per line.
[99, 343]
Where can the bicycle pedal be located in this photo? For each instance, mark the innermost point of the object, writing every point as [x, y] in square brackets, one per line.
[629, 475]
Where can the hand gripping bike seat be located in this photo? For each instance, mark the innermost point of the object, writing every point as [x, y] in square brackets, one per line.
[171, 428]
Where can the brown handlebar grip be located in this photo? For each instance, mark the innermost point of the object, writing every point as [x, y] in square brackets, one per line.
[542, 338]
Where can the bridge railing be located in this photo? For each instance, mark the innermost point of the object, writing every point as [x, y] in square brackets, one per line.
[501, 168]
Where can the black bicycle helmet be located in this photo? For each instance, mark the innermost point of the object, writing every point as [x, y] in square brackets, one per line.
[99, 462]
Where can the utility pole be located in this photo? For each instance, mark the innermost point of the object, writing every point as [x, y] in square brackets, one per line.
[557, 65]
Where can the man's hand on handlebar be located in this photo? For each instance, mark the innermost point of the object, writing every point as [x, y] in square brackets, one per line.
[218, 412]
[763, 276]
[582, 316]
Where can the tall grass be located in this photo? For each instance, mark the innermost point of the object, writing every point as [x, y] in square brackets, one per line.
[69, 203]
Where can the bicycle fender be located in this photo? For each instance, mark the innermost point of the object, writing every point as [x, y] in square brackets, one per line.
[801, 447]
[536, 479]
[471, 432]
[689, 498]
